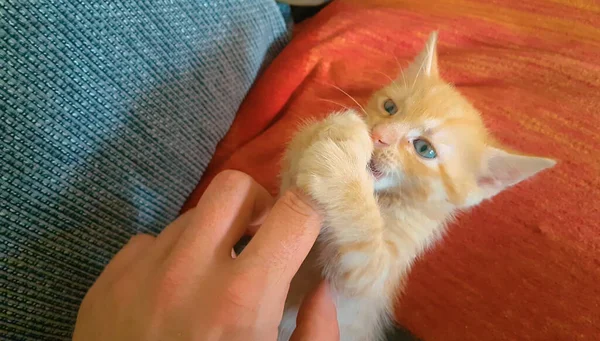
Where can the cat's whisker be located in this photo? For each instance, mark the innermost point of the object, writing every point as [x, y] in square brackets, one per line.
[352, 98]
[418, 73]
[401, 70]
[390, 78]
[334, 102]
[403, 78]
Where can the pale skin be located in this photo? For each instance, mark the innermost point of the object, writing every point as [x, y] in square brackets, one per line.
[186, 283]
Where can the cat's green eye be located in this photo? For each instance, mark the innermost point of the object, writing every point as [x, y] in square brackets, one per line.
[390, 107]
[424, 149]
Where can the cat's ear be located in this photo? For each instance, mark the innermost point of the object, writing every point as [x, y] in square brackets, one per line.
[425, 64]
[501, 169]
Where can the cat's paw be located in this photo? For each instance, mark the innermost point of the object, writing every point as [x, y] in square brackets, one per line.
[348, 127]
[340, 144]
[360, 268]
[335, 161]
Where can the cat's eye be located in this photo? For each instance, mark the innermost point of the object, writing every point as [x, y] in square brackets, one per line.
[390, 107]
[424, 149]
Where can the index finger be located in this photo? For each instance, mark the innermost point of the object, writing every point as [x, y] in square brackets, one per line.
[231, 203]
[284, 240]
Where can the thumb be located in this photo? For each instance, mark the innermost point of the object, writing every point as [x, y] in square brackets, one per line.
[317, 317]
[284, 239]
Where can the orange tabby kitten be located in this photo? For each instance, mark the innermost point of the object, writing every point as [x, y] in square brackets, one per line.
[387, 184]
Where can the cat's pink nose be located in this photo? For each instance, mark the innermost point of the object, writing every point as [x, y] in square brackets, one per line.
[385, 135]
[379, 140]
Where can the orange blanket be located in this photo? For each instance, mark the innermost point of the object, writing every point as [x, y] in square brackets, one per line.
[525, 266]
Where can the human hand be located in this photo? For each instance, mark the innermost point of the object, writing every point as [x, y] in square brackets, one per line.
[186, 283]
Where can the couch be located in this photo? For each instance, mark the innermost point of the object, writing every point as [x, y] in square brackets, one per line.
[115, 115]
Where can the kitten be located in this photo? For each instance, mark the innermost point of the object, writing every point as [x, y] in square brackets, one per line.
[388, 183]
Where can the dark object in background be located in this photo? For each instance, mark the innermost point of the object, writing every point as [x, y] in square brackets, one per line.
[301, 13]
[400, 334]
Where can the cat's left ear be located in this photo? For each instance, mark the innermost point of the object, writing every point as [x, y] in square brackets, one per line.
[501, 169]
[425, 64]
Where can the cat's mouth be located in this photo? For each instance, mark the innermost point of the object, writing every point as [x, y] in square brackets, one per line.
[375, 170]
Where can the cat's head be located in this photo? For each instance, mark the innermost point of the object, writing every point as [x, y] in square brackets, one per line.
[431, 144]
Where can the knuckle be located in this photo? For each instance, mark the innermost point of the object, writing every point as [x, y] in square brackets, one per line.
[121, 290]
[231, 176]
[236, 291]
[141, 239]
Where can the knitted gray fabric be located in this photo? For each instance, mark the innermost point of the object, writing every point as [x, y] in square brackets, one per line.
[109, 114]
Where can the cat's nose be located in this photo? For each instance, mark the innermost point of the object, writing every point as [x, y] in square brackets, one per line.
[379, 141]
[382, 137]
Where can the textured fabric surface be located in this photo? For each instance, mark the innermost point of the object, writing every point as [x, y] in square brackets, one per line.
[109, 114]
[524, 266]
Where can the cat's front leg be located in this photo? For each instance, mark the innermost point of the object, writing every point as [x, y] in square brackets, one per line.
[333, 171]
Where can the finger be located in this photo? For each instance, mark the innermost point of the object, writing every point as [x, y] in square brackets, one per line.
[222, 215]
[317, 317]
[137, 245]
[171, 234]
[262, 208]
[251, 230]
[284, 240]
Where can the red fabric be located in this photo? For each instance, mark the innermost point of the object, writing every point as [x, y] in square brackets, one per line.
[525, 266]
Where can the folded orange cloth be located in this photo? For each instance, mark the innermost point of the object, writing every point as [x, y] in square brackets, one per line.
[525, 266]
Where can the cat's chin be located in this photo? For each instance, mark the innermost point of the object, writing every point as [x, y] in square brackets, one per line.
[384, 183]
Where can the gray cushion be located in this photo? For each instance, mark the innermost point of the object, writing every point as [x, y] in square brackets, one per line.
[109, 114]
